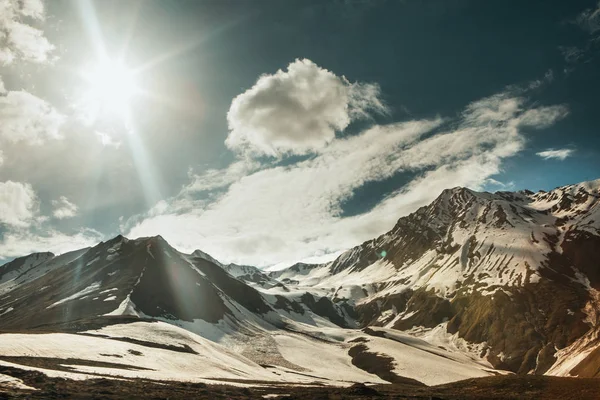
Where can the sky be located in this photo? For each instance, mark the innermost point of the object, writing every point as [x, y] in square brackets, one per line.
[268, 132]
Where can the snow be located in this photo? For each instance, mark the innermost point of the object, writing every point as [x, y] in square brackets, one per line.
[16, 383]
[110, 298]
[320, 362]
[9, 309]
[568, 357]
[418, 362]
[148, 250]
[127, 307]
[82, 293]
[212, 361]
[440, 338]
[97, 258]
[322, 359]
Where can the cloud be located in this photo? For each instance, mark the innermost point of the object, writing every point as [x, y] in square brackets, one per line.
[589, 20]
[63, 208]
[297, 111]
[543, 117]
[548, 78]
[276, 214]
[212, 179]
[18, 243]
[19, 40]
[572, 54]
[28, 118]
[559, 154]
[18, 204]
[107, 140]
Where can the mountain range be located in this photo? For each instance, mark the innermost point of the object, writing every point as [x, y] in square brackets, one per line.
[474, 284]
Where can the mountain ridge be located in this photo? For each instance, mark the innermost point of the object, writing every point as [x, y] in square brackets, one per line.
[507, 279]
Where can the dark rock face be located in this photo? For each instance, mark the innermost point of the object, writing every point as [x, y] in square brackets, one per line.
[22, 264]
[159, 281]
[142, 278]
[325, 308]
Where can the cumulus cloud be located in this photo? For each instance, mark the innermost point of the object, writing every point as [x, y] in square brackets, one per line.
[63, 208]
[558, 154]
[297, 111]
[28, 118]
[18, 204]
[282, 214]
[18, 39]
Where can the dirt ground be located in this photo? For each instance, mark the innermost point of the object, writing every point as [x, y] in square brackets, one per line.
[497, 387]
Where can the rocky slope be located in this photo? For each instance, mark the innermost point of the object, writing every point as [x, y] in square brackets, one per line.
[142, 278]
[518, 273]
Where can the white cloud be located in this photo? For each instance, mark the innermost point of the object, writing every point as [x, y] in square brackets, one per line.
[28, 118]
[559, 154]
[282, 214]
[297, 111]
[19, 243]
[107, 140]
[18, 204]
[543, 117]
[218, 178]
[19, 40]
[63, 208]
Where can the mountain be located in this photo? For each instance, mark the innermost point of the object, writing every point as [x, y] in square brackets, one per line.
[474, 284]
[518, 273]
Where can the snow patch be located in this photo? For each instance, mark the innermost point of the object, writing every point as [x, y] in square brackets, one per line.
[9, 309]
[90, 289]
[16, 383]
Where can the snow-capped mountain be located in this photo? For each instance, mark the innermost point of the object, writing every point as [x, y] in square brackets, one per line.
[516, 271]
[470, 283]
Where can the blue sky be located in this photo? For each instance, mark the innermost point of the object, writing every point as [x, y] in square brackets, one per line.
[267, 132]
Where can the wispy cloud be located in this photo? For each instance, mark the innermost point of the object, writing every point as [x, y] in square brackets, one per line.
[63, 208]
[20, 242]
[589, 19]
[271, 214]
[558, 154]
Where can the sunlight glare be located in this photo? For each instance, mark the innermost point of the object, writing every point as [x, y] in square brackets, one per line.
[111, 88]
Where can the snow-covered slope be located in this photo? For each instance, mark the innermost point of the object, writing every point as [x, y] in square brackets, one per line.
[470, 283]
[212, 326]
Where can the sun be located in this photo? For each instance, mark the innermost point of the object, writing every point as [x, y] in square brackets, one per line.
[110, 89]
